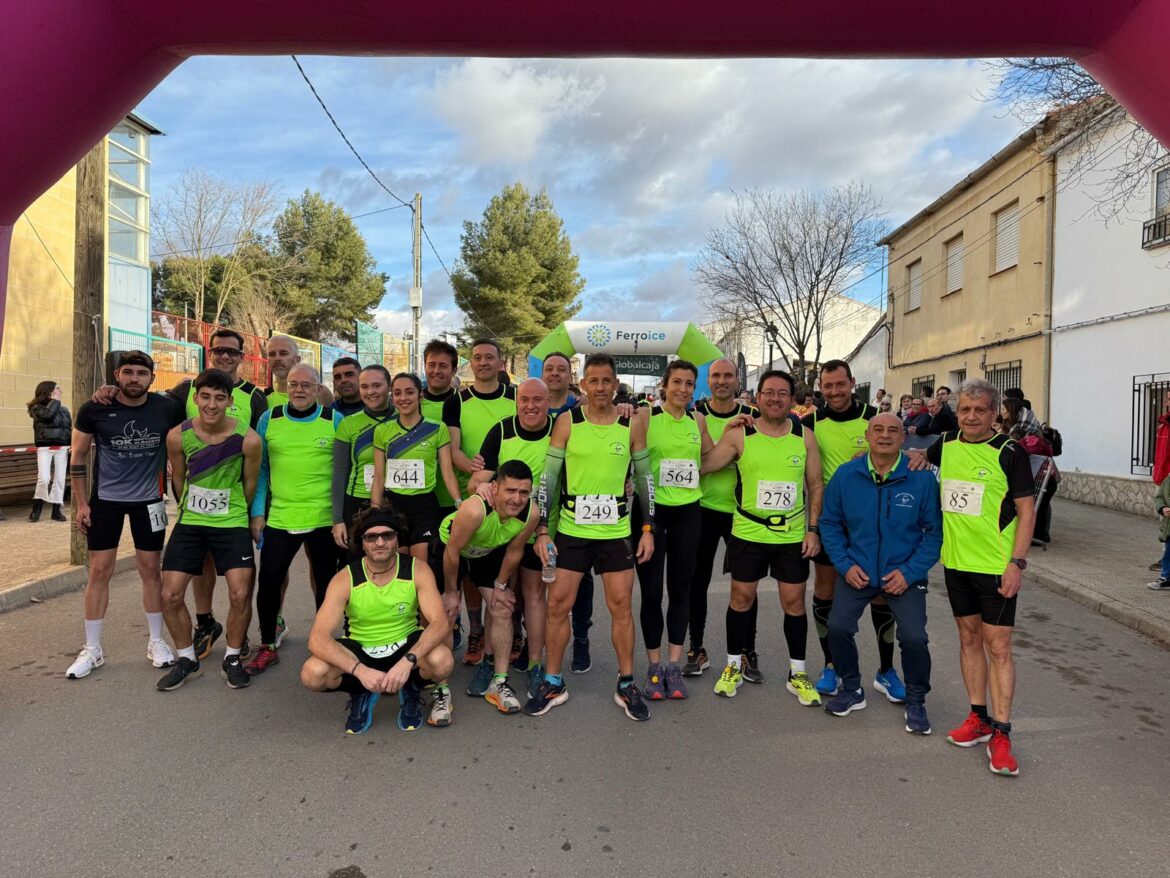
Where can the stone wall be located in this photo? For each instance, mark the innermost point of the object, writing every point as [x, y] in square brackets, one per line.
[1134, 495]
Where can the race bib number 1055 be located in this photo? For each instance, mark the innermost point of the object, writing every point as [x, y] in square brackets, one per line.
[208, 501]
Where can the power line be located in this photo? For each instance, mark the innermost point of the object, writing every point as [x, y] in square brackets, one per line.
[357, 155]
[48, 251]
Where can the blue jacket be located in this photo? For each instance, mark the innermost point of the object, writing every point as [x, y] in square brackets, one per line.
[896, 524]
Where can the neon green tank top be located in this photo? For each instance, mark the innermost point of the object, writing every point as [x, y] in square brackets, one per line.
[276, 398]
[597, 459]
[412, 454]
[841, 441]
[490, 535]
[974, 487]
[477, 415]
[381, 615]
[770, 486]
[533, 452]
[719, 488]
[357, 431]
[675, 448]
[300, 466]
[213, 495]
[432, 407]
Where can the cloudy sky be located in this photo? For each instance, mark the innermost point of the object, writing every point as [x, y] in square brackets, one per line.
[640, 157]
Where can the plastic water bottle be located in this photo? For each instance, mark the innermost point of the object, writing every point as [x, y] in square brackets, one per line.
[548, 573]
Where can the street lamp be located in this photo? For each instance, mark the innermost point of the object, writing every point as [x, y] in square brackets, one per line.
[770, 329]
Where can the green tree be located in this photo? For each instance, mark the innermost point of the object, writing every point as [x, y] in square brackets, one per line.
[517, 276]
[322, 270]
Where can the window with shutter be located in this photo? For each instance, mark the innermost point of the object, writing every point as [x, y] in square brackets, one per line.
[1162, 192]
[1007, 237]
[914, 285]
[955, 253]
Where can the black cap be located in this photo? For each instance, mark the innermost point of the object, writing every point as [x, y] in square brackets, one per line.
[136, 358]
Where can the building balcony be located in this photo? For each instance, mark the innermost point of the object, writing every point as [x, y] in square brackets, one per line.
[1156, 232]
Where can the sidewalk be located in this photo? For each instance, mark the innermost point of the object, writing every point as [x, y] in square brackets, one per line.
[1099, 558]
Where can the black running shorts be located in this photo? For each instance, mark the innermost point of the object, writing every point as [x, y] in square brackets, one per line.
[605, 556]
[231, 547]
[977, 594]
[380, 663]
[107, 520]
[752, 561]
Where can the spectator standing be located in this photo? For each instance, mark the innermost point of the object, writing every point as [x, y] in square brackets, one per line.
[1162, 507]
[942, 418]
[52, 433]
[1162, 444]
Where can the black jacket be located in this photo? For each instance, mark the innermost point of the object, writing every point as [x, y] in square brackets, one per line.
[52, 424]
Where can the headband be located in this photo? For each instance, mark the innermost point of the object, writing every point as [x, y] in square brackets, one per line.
[391, 521]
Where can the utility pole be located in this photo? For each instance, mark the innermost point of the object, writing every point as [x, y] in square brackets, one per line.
[416, 286]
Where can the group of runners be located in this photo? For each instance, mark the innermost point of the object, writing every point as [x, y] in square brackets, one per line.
[419, 505]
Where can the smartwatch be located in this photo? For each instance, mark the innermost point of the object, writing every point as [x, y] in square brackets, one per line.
[1022, 563]
[411, 657]
[814, 529]
[501, 586]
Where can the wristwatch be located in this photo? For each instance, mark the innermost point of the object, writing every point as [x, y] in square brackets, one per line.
[814, 529]
[650, 529]
[411, 657]
[1022, 563]
[501, 586]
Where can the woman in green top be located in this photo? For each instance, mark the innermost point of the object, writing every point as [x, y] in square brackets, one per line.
[353, 451]
[408, 449]
[677, 439]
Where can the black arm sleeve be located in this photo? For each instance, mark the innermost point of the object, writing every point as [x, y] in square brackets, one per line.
[452, 408]
[934, 453]
[340, 479]
[490, 450]
[1018, 469]
[259, 406]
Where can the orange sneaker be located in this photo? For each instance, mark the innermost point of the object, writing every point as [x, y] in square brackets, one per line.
[473, 655]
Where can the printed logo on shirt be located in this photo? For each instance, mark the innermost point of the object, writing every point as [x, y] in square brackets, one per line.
[904, 500]
[617, 448]
[135, 440]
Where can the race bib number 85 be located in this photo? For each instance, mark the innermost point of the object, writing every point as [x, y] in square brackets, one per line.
[405, 473]
[597, 509]
[962, 498]
[776, 496]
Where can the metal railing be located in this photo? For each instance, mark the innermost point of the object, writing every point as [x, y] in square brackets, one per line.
[1156, 232]
[1149, 404]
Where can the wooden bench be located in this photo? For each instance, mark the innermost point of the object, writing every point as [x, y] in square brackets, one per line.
[18, 477]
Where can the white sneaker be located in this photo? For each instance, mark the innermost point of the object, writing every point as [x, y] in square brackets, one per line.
[159, 653]
[441, 708]
[501, 694]
[87, 660]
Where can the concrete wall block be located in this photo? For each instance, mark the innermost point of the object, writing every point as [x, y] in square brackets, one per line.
[1135, 496]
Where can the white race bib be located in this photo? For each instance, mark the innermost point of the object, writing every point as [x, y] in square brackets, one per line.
[962, 498]
[377, 652]
[158, 515]
[675, 473]
[368, 476]
[405, 473]
[476, 551]
[208, 501]
[776, 496]
[596, 509]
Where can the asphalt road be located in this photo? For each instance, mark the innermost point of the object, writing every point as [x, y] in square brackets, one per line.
[107, 777]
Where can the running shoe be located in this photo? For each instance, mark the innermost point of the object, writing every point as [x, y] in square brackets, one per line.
[917, 722]
[520, 662]
[535, 678]
[205, 637]
[502, 696]
[89, 659]
[245, 649]
[181, 671]
[262, 659]
[629, 699]
[890, 686]
[361, 712]
[159, 653]
[729, 681]
[281, 631]
[828, 683]
[473, 655]
[675, 687]
[457, 635]
[1159, 584]
[799, 685]
[581, 661]
[655, 690]
[482, 678]
[974, 730]
[410, 705]
[749, 666]
[441, 708]
[546, 699]
[999, 755]
[696, 662]
[845, 702]
[232, 670]
[517, 645]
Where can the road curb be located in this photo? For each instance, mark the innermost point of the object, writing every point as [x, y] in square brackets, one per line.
[1139, 620]
[70, 579]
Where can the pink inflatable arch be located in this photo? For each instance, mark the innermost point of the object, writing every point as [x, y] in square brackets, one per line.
[70, 70]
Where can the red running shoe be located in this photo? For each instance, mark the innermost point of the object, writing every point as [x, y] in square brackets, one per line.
[260, 661]
[974, 730]
[999, 756]
[473, 655]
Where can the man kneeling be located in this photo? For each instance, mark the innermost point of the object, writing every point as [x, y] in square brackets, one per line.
[383, 595]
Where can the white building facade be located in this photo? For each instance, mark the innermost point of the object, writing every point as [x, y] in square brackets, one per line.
[868, 361]
[1110, 367]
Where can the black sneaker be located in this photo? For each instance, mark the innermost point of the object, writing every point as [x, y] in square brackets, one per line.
[629, 699]
[696, 662]
[1159, 584]
[548, 697]
[181, 671]
[204, 638]
[749, 666]
[581, 661]
[232, 670]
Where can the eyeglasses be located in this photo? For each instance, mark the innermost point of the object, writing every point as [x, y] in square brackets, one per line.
[382, 536]
[777, 394]
[227, 352]
[301, 385]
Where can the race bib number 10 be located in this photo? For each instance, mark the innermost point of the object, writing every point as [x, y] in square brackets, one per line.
[596, 509]
[962, 498]
[776, 496]
[673, 473]
[405, 473]
[208, 501]
[158, 515]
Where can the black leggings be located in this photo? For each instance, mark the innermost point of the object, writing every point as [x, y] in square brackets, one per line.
[280, 547]
[716, 526]
[675, 546]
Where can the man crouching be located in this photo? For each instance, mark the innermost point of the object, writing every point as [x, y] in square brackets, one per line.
[385, 597]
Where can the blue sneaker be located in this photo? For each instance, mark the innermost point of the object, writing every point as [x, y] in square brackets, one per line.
[482, 678]
[361, 712]
[845, 702]
[890, 686]
[535, 678]
[828, 682]
[917, 723]
[546, 699]
[410, 709]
